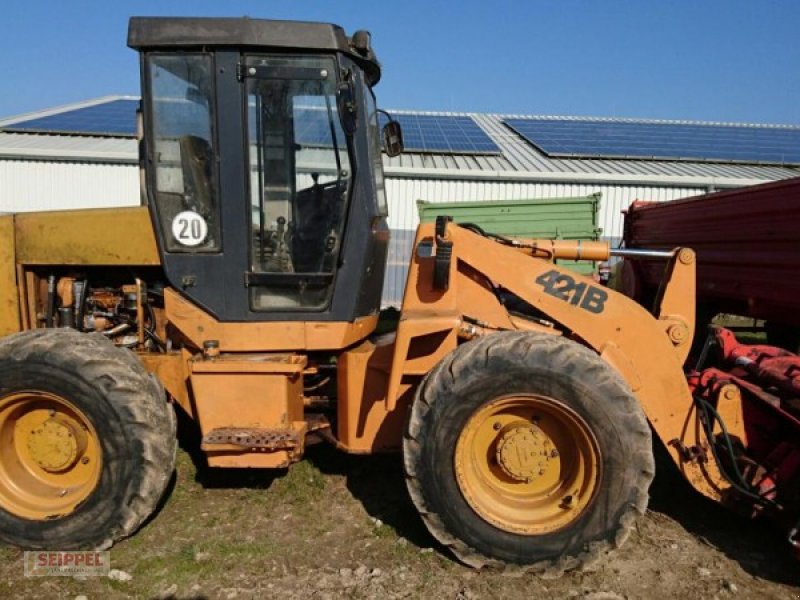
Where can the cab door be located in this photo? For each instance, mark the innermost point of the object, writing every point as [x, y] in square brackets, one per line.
[300, 181]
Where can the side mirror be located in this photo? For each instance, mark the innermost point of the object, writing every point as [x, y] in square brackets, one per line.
[393, 138]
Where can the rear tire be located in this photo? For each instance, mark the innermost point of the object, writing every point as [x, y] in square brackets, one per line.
[491, 507]
[99, 393]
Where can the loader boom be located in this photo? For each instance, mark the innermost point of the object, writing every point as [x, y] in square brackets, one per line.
[647, 352]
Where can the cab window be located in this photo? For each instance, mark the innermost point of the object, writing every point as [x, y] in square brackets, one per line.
[183, 155]
[300, 176]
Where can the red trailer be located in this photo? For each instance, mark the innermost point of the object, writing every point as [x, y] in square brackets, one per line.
[748, 249]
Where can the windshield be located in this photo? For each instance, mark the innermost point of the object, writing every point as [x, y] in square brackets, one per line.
[183, 154]
[299, 180]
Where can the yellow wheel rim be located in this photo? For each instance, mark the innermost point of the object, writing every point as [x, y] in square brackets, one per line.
[50, 456]
[527, 464]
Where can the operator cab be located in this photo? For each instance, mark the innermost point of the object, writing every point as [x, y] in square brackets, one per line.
[263, 167]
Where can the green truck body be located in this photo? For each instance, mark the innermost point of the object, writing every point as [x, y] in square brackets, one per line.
[543, 218]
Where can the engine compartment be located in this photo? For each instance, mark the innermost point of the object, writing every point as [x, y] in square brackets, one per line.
[126, 308]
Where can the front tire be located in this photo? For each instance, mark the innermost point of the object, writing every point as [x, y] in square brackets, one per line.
[87, 441]
[528, 449]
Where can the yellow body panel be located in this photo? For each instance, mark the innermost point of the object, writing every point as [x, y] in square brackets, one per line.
[108, 236]
[9, 294]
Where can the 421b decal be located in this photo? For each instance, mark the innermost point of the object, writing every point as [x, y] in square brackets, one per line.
[564, 287]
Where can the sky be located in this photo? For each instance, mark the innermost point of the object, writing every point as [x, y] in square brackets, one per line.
[710, 60]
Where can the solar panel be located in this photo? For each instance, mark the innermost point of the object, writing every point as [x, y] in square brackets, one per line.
[665, 141]
[313, 127]
[421, 133]
[443, 134]
[114, 118]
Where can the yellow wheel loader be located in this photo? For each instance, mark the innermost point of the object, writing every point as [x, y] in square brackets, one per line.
[246, 293]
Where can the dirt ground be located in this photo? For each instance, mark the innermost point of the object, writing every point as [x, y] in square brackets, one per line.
[337, 526]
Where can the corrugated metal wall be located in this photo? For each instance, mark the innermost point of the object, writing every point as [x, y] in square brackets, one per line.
[51, 185]
[48, 185]
[404, 193]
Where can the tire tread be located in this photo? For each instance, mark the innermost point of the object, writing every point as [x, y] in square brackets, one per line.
[558, 354]
[138, 400]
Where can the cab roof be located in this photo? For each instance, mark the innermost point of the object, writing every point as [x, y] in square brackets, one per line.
[150, 33]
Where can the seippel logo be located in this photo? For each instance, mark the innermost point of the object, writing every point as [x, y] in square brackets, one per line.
[69, 563]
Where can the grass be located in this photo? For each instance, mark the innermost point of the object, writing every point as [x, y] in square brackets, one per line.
[306, 531]
[302, 485]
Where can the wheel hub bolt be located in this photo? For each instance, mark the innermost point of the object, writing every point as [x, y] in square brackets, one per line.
[521, 452]
[56, 445]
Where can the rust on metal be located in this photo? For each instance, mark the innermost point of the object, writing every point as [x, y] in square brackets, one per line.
[251, 394]
[264, 439]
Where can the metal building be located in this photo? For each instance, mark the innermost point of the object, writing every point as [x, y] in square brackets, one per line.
[93, 162]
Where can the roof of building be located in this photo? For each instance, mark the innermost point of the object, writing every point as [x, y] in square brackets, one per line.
[508, 156]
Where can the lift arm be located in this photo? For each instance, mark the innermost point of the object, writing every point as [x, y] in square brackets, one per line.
[455, 278]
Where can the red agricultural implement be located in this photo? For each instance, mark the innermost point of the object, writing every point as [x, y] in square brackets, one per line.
[747, 396]
[749, 407]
